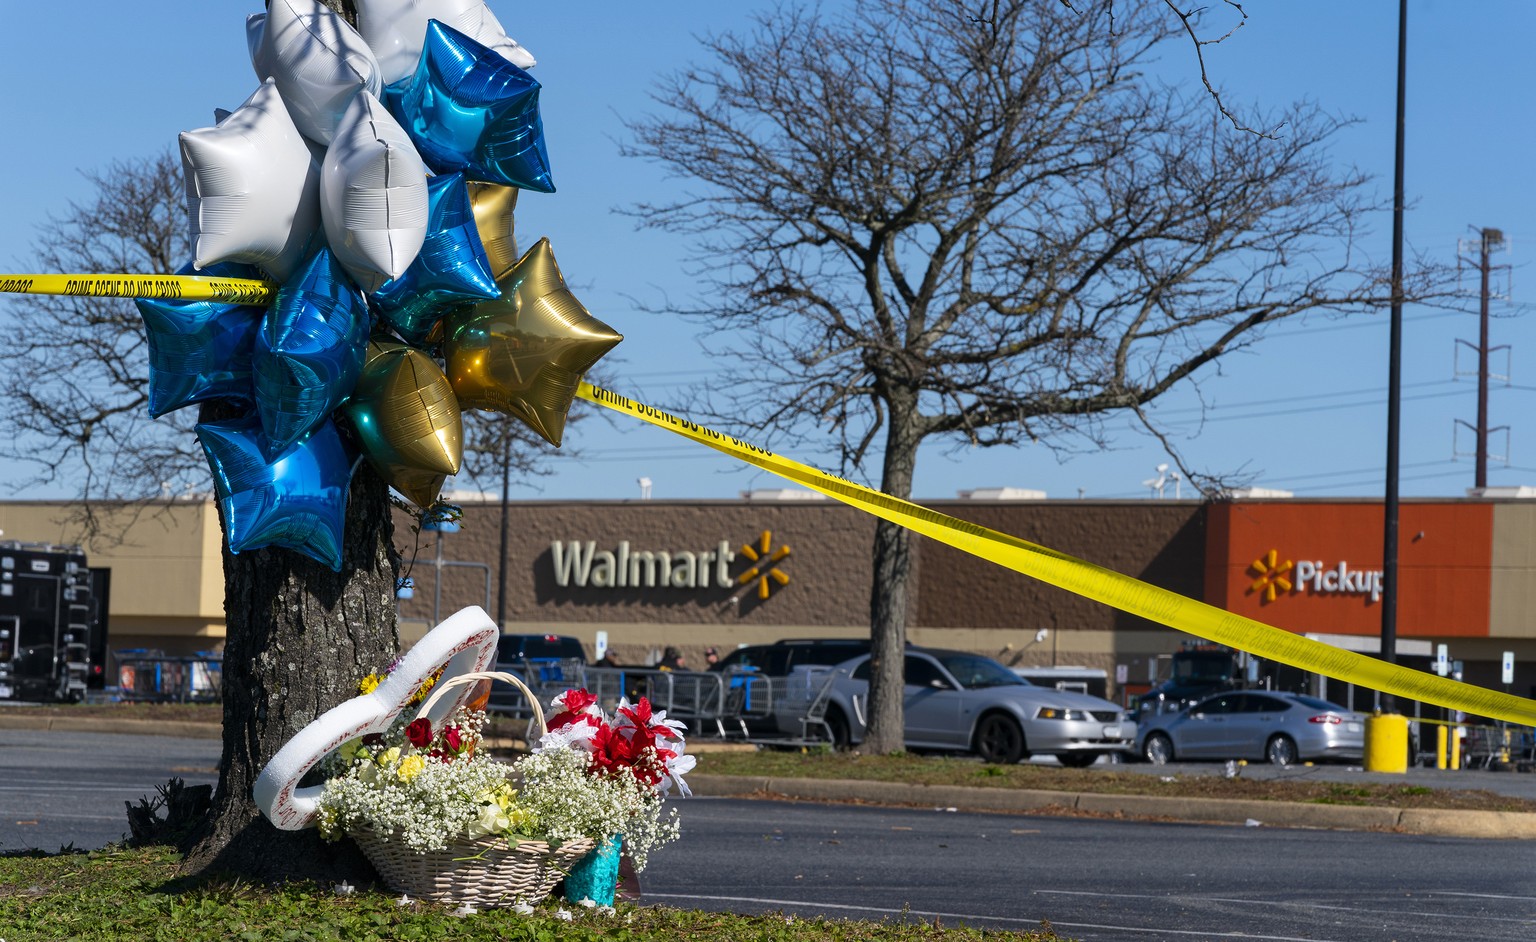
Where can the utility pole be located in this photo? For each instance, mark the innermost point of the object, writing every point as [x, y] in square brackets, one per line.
[1488, 242]
[1394, 371]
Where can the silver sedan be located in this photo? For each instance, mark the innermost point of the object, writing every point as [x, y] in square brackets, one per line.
[964, 702]
[1283, 728]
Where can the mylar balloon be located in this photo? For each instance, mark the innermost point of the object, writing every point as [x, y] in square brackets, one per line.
[317, 60]
[309, 352]
[298, 500]
[253, 190]
[407, 420]
[467, 108]
[494, 206]
[450, 269]
[525, 353]
[395, 30]
[373, 195]
[200, 350]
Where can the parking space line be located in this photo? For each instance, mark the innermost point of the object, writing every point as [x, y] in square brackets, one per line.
[1206, 933]
[1297, 904]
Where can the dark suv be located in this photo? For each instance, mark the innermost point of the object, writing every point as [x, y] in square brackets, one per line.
[514, 649]
[781, 657]
[539, 660]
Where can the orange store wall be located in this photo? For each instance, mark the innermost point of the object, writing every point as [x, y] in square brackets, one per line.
[1445, 554]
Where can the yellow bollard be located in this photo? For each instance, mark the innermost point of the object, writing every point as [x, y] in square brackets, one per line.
[1386, 742]
[1440, 738]
[1456, 747]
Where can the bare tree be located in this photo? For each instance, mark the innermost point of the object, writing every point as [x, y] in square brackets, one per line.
[981, 223]
[77, 369]
[299, 636]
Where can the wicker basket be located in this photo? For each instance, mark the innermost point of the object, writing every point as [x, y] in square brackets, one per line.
[487, 872]
[490, 871]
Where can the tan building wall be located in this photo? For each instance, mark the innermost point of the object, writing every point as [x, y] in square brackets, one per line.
[167, 583]
[960, 602]
[167, 572]
[1512, 593]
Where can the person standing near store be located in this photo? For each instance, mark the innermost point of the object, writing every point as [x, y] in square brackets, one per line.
[672, 660]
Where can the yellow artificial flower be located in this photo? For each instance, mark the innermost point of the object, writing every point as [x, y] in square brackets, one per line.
[389, 757]
[410, 767]
[369, 684]
[426, 687]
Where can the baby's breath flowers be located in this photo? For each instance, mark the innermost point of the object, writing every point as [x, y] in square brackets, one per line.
[591, 776]
[425, 795]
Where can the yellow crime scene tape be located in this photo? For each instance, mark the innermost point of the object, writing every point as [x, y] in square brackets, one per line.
[1096, 582]
[162, 287]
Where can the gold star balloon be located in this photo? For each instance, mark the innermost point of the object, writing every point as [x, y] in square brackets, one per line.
[524, 354]
[494, 206]
[407, 420]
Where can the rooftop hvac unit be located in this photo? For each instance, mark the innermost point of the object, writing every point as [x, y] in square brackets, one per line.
[1001, 493]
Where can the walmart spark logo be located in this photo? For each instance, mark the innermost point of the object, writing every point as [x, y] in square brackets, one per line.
[1272, 575]
[765, 568]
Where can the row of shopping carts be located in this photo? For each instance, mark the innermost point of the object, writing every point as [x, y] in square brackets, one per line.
[737, 705]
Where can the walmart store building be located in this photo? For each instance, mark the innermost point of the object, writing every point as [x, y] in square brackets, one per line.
[693, 574]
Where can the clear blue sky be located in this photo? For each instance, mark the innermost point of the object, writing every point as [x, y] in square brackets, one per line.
[96, 80]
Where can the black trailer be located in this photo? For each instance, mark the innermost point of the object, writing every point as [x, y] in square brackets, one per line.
[46, 615]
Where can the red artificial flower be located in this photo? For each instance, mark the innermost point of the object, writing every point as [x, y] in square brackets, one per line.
[577, 700]
[419, 733]
[453, 738]
[640, 712]
[611, 752]
[567, 718]
[641, 715]
[574, 702]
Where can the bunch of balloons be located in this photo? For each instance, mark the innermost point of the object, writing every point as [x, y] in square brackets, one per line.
[373, 176]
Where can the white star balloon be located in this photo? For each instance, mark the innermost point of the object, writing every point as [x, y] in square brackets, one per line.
[396, 31]
[319, 62]
[373, 195]
[253, 187]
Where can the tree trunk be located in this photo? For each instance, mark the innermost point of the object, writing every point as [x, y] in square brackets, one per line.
[299, 638]
[891, 592]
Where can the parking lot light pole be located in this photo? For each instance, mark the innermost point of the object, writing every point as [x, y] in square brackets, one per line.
[1394, 372]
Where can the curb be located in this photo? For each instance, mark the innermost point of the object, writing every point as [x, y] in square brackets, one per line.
[84, 724]
[1284, 814]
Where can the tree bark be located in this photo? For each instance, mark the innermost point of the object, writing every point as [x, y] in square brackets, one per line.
[299, 638]
[891, 593]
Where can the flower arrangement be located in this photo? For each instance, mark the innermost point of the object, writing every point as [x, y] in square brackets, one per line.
[590, 776]
[602, 776]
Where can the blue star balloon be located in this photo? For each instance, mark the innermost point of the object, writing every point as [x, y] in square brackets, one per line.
[309, 351]
[451, 268]
[297, 500]
[200, 350]
[467, 108]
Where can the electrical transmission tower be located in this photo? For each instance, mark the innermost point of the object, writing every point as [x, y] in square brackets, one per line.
[1487, 242]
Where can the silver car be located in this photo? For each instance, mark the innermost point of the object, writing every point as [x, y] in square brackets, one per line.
[1255, 724]
[963, 702]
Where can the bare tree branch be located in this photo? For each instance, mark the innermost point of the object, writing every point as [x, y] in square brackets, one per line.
[981, 223]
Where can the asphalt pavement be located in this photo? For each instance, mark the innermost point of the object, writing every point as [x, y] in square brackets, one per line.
[20, 754]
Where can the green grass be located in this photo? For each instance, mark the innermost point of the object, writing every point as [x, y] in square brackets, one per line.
[135, 894]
